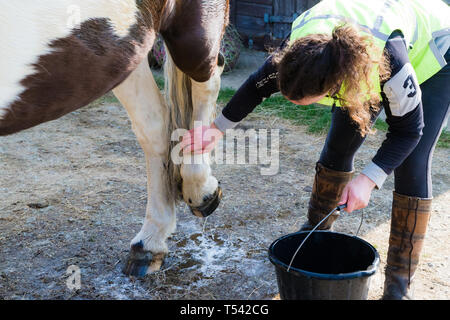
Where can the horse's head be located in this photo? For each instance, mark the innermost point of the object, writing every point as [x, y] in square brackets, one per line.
[193, 31]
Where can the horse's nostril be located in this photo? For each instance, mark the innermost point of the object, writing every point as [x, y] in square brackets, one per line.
[221, 60]
[190, 201]
[210, 204]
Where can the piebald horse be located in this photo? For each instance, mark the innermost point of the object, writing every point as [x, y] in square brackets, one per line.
[59, 55]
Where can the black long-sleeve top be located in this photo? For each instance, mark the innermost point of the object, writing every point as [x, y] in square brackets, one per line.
[401, 100]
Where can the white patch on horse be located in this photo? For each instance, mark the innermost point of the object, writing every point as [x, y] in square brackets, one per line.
[26, 36]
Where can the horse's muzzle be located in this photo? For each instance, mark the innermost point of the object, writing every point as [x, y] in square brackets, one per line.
[209, 205]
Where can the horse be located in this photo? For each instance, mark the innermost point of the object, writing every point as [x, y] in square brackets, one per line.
[57, 56]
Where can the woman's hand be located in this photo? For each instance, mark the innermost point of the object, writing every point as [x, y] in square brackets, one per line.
[356, 193]
[201, 139]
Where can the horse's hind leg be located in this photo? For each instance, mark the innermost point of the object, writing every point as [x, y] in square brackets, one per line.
[141, 97]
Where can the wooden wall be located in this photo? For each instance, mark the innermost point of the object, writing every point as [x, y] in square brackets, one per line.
[266, 22]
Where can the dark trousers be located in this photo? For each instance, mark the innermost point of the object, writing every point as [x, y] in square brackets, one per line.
[413, 176]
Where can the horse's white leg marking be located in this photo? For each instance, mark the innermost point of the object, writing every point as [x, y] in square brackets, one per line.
[28, 27]
[141, 97]
[197, 179]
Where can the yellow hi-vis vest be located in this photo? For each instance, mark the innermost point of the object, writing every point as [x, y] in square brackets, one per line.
[420, 21]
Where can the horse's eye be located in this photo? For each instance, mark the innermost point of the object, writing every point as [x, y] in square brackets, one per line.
[220, 60]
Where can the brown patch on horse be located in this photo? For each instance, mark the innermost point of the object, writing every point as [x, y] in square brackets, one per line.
[156, 13]
[193, 51]
[80, 68]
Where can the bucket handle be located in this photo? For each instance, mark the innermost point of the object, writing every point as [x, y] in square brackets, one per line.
[338, 208]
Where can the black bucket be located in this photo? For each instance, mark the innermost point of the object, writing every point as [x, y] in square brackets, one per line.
[329, 266]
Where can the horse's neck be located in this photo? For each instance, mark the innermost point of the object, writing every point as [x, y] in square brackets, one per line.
[155, 12]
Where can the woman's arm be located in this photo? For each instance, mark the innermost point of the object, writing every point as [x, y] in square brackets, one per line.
[404, 114]
[260, 85]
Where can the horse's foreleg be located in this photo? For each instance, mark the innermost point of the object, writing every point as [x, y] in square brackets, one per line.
[141, 97]
[200, 187]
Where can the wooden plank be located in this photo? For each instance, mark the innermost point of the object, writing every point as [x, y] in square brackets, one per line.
[248, 17]
[311, 3]
[266, 2]
[285, 8]
[253, 10]
[301, 6]
[247, 33]
[233, 11]
[251, 23]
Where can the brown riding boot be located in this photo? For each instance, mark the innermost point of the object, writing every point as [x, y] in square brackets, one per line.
[326, 193]
[409, 222]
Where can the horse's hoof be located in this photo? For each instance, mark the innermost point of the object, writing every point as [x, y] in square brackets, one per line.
[141, 263]
[209, 205]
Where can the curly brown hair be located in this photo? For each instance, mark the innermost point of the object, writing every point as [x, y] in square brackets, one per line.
[320, 64]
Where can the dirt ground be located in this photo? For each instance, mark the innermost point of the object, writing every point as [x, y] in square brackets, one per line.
[74, 193]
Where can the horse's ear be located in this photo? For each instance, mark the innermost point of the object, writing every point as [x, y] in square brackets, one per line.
[221, 60]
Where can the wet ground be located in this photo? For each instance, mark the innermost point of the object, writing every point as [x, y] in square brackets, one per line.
[73, 193]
